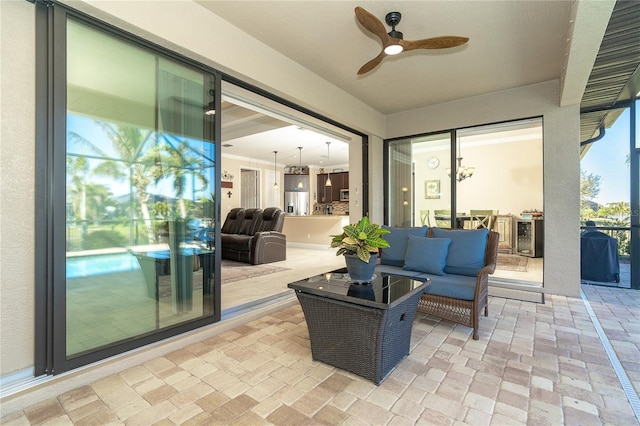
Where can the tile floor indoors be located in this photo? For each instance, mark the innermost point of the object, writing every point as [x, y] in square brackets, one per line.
[534, 364]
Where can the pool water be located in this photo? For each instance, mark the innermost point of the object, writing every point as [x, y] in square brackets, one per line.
[85, 266]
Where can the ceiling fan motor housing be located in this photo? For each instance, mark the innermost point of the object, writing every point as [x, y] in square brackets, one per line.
[392, 19]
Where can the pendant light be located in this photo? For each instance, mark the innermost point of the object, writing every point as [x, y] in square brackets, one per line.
[328, 182]
[275, 172]
[300, 184]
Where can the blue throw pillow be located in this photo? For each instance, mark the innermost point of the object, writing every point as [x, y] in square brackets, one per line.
[427, 255]
[397, 239]
[466, 252]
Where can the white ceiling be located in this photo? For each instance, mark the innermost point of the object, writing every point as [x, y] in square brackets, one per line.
[512, 44]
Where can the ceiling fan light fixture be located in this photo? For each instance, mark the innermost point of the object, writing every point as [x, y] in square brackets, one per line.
[393, 49]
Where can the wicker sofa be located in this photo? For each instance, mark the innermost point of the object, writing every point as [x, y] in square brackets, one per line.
[254, 236]
[457, 261]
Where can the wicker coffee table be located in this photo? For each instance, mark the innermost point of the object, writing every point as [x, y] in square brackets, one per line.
[361, 328]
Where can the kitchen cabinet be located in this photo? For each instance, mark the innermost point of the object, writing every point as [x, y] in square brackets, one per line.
[327, 194]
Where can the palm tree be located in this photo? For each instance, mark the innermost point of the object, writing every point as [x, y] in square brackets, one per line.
[178, 163]
[143, 164]
[621, 209]
[99, 198]
[129, 143]
[77, 171]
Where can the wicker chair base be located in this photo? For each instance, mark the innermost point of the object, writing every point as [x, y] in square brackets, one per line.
[366, 341]
[464, 312]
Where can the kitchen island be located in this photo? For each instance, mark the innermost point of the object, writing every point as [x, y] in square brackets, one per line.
[313, 230]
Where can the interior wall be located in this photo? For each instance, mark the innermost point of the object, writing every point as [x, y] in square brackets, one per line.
[561, 163]
[17, 153]
[233, 166]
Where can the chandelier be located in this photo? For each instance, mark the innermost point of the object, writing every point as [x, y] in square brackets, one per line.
[462, 172]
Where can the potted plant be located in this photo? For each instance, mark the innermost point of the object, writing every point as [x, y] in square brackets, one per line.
[360, 244]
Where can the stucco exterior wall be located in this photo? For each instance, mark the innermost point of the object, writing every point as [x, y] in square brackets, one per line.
[17, 170]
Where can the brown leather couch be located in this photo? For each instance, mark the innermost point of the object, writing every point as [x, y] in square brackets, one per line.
[254, 236]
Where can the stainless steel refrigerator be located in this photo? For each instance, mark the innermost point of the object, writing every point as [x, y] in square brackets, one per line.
[296, 203]
[296, 194]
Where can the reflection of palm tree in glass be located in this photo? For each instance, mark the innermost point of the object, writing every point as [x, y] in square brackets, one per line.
[77, 171]
[86, 199]
[143, 163]
[178, 162]
[98, 199]
[129, 143]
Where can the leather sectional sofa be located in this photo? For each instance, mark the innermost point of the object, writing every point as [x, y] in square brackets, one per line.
[254, 236]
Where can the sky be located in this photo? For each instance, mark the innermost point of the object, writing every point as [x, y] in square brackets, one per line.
[606, 158]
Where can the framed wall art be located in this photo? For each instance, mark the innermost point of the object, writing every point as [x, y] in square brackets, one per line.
[432, 188]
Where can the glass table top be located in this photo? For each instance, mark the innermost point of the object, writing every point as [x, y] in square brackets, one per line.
[382, 292]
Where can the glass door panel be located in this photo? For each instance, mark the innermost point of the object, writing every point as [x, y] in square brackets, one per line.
[504, 192]
[419, 188]
[140, 182]
[431, 158]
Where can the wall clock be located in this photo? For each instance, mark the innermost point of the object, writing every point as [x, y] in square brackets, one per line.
[433, 162]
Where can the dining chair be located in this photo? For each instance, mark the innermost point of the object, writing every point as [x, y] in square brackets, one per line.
[440, 221]
[483, 219]
[424, 218]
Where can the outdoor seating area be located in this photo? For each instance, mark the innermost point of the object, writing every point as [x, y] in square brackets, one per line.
[458, 263]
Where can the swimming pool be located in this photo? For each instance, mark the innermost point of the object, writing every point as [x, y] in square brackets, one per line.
[85, 266]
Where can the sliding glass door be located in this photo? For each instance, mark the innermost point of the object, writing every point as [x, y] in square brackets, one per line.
[484, 176]
[138, 206]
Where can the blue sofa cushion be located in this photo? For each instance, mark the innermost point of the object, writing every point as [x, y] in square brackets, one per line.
[459, 289]
[398, 239]
[466, 252]
[427, 254]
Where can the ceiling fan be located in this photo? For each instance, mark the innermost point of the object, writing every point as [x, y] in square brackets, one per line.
[393, 42]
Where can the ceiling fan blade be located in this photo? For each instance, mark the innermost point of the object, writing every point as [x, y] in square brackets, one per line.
[372, 24]
[443, 42]
[372, 63]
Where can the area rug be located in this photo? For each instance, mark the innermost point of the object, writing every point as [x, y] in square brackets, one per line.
[235, 271]
[512, 262]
